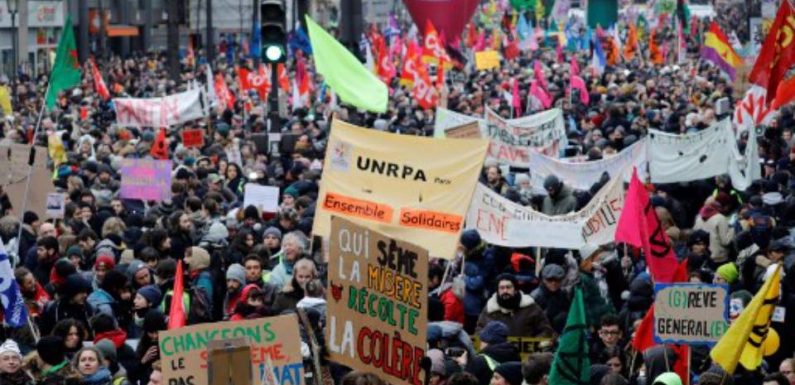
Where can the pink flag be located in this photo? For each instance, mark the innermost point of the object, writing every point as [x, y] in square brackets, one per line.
[577, 83]
[575, 68]
[533, 41]
[517, 104]
[559, 52]
[480, 44]
[539, 94]
[539, 74]
[639, 226]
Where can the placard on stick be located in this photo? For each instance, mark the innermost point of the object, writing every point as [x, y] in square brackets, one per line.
[274, 343]
[690, 313]
[193, 138]
[377, 303]
[486, 60]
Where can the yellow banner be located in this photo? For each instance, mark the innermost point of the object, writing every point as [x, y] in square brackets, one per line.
[5, 101]
[486, 60]
[408, 187]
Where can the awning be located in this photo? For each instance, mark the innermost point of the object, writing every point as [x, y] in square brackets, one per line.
[122, 30]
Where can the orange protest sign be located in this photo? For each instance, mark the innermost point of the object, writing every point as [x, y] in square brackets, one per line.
[193, 138]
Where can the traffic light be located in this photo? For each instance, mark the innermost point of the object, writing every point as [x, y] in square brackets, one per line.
[274, 31]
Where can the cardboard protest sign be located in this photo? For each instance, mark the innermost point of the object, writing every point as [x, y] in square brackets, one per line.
[159, 112]
[265, 198]
[274, 342]
[56, 203]
[486, 60]
[377, 302]
[447, 120]
[193, 138]
[14, 163]
[467, 131]
[369, 175]
[145, 179]
[502, 222]
[690, 313]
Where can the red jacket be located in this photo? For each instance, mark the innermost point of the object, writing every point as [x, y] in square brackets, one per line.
[453, 307]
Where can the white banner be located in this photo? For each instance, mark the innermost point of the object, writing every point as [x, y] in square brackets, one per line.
[159, 112]
[581, 175]
[682, 158]
[504, 223]
[512, 140]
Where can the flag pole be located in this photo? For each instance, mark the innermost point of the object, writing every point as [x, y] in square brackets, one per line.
[31, 159]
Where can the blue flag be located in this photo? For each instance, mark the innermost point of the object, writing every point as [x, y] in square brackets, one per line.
[299, 40]
[16, 313]
[255, 46]
[523, 27]
[598, 60]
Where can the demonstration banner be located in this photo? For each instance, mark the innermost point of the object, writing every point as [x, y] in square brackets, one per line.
[159, 112]
[275, 345]
[688, 313]
[408, 187]
[504, 223]
[377, 303]
[513, 140]
[583, 175]
[145, 179]
[447, 120]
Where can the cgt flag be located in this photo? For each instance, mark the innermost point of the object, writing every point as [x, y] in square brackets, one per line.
[572, 365]
[14, 309]
[743, 342]
[778, 52]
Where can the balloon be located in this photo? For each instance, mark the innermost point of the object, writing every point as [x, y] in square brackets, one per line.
[448, 16]
[772, 342]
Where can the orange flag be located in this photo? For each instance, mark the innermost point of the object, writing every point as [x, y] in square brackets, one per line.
[160, 146]
[655, 53]
[632, 43]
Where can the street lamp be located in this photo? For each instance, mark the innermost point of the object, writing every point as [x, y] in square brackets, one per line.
[13, 7]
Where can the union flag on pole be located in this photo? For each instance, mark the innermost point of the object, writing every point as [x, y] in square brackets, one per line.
[778, 52]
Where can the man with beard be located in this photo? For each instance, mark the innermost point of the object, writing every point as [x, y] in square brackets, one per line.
[516, 310]
[560, 199]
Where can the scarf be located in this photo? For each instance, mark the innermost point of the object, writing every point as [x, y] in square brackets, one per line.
[102, 376]
[54, 369]
[117, 336]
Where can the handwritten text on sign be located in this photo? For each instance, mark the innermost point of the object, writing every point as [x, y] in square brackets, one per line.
[146, 179]
[274, 343]
[159, 112]
[377, 305]
[690, 313]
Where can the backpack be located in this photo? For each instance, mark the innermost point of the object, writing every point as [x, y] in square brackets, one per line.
[200, 307]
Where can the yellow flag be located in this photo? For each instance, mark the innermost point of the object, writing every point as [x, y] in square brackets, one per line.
[743, 341]
[56, 149]
[5, 101]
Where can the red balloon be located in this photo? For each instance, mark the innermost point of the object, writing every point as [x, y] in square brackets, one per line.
[448, 16]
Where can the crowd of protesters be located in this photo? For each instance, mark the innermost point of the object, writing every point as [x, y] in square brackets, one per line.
[99, 282]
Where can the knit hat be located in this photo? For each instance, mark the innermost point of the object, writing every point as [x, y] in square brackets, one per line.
[551, 182]
[251, 212]
[511, 372]
[728, 271]
[105, 260]
[495, 332]
[199, 259]
[470, 239]
[588, 250]
[437, 361]
[9, 346]
[236, 272]
[152, 294]
[272, 231]
[74, 250]
[74, 285]
[29, 217]
[668, 378]
[553, 271]
[434, 333]
[135, 266]
[51, 350]
[103, 323]
[61, 270]
[107, 348]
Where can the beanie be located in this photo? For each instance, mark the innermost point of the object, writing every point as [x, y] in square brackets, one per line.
[106, 261]
[668, 378]
[495, 332]
[9, 346]
[152, 294]
[470, 239]
[236, 272]
[108, 349]
[272, 231]
[74, 285]
[61, 270]
[551, 182]
[51, 350]
[511, 372]
[728, 271]
[134, 267]
[251, 212]
[199, 259]
[103, 323]
[74, 250]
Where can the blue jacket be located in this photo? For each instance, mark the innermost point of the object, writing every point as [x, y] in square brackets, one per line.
[101, 302]
[478, 273]
[205, 282]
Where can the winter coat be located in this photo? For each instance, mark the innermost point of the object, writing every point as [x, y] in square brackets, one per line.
[478, 268]
[501, 353]
[454, 333]
[528, 320]
[720, 236]
[101, 302]
[287, 299]
[556, 305]
[563, 203]
[61, 310]
[453, 306]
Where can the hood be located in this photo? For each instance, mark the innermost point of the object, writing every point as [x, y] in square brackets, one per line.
[655, 359]
[641, 294]
[100, 297]
[449, 328]
[492, 306]
[117, 336]
[564, 193]
[502, 352]
[521, 262]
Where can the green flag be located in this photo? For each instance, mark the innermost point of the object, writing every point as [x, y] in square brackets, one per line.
[572, 365]
[344, 73]
[66, 69]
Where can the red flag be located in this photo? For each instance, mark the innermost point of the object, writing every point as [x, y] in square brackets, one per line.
[639, 226]
[655, 53]
[99, 84]
[515, 101]
[539, 74]
[302, 77]
[644, 335]
[472, 35]
[409, 72]
[423, 90]
[777, 54]
[176, 314]
[384, 67]
[632, 43]
[222, 91]
[574, 68]
[511, 48]
[433, 46]
[160, 146]
[284, 80]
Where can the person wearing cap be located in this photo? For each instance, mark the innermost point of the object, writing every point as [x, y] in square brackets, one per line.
[551, 298]
[590, 282]
[215, 184]
[10, 365]
[110, 360]
[71, 303]
[727, 274]
[235, 281]
[776, 251]
[478, 260]
[146, 298]
[494, 350]
[711, 219]
[517, 310]
[198, 261]
[509, 373]
[560, 199]
[272, 240]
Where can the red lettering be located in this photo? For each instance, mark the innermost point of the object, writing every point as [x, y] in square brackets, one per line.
[364, 333]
